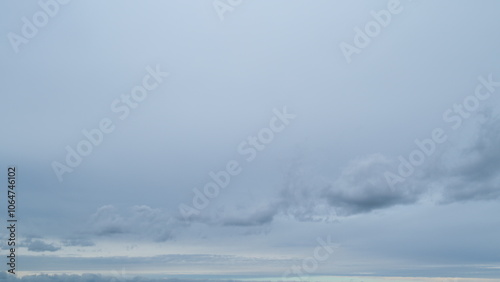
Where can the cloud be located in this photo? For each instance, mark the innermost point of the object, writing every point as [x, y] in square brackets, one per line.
[261, 216]
[362, 187]
[107, 221]
[301, 195]
[469, 173]
[475, 173]
[40, 246]
[240, 216]
[129, 267]
[142, 221]
[78, 242]
[97, 278]
[459, 174]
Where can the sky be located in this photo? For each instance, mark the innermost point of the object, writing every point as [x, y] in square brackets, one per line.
[251, 140]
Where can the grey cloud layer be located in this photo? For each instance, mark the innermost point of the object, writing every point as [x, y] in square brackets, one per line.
[361, 187]
[40, 246]
[97, 278]
[140, 221]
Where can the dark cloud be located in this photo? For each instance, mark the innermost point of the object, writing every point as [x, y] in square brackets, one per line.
[459, 174]
[259, 217]
[248, 216]
[40, 246]
[471, 173]
[362, 187]
[301, 196]
[142, 221]
[107, 221]
[477, 173]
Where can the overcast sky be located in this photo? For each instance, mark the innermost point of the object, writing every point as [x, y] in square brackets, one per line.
[195, 139]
